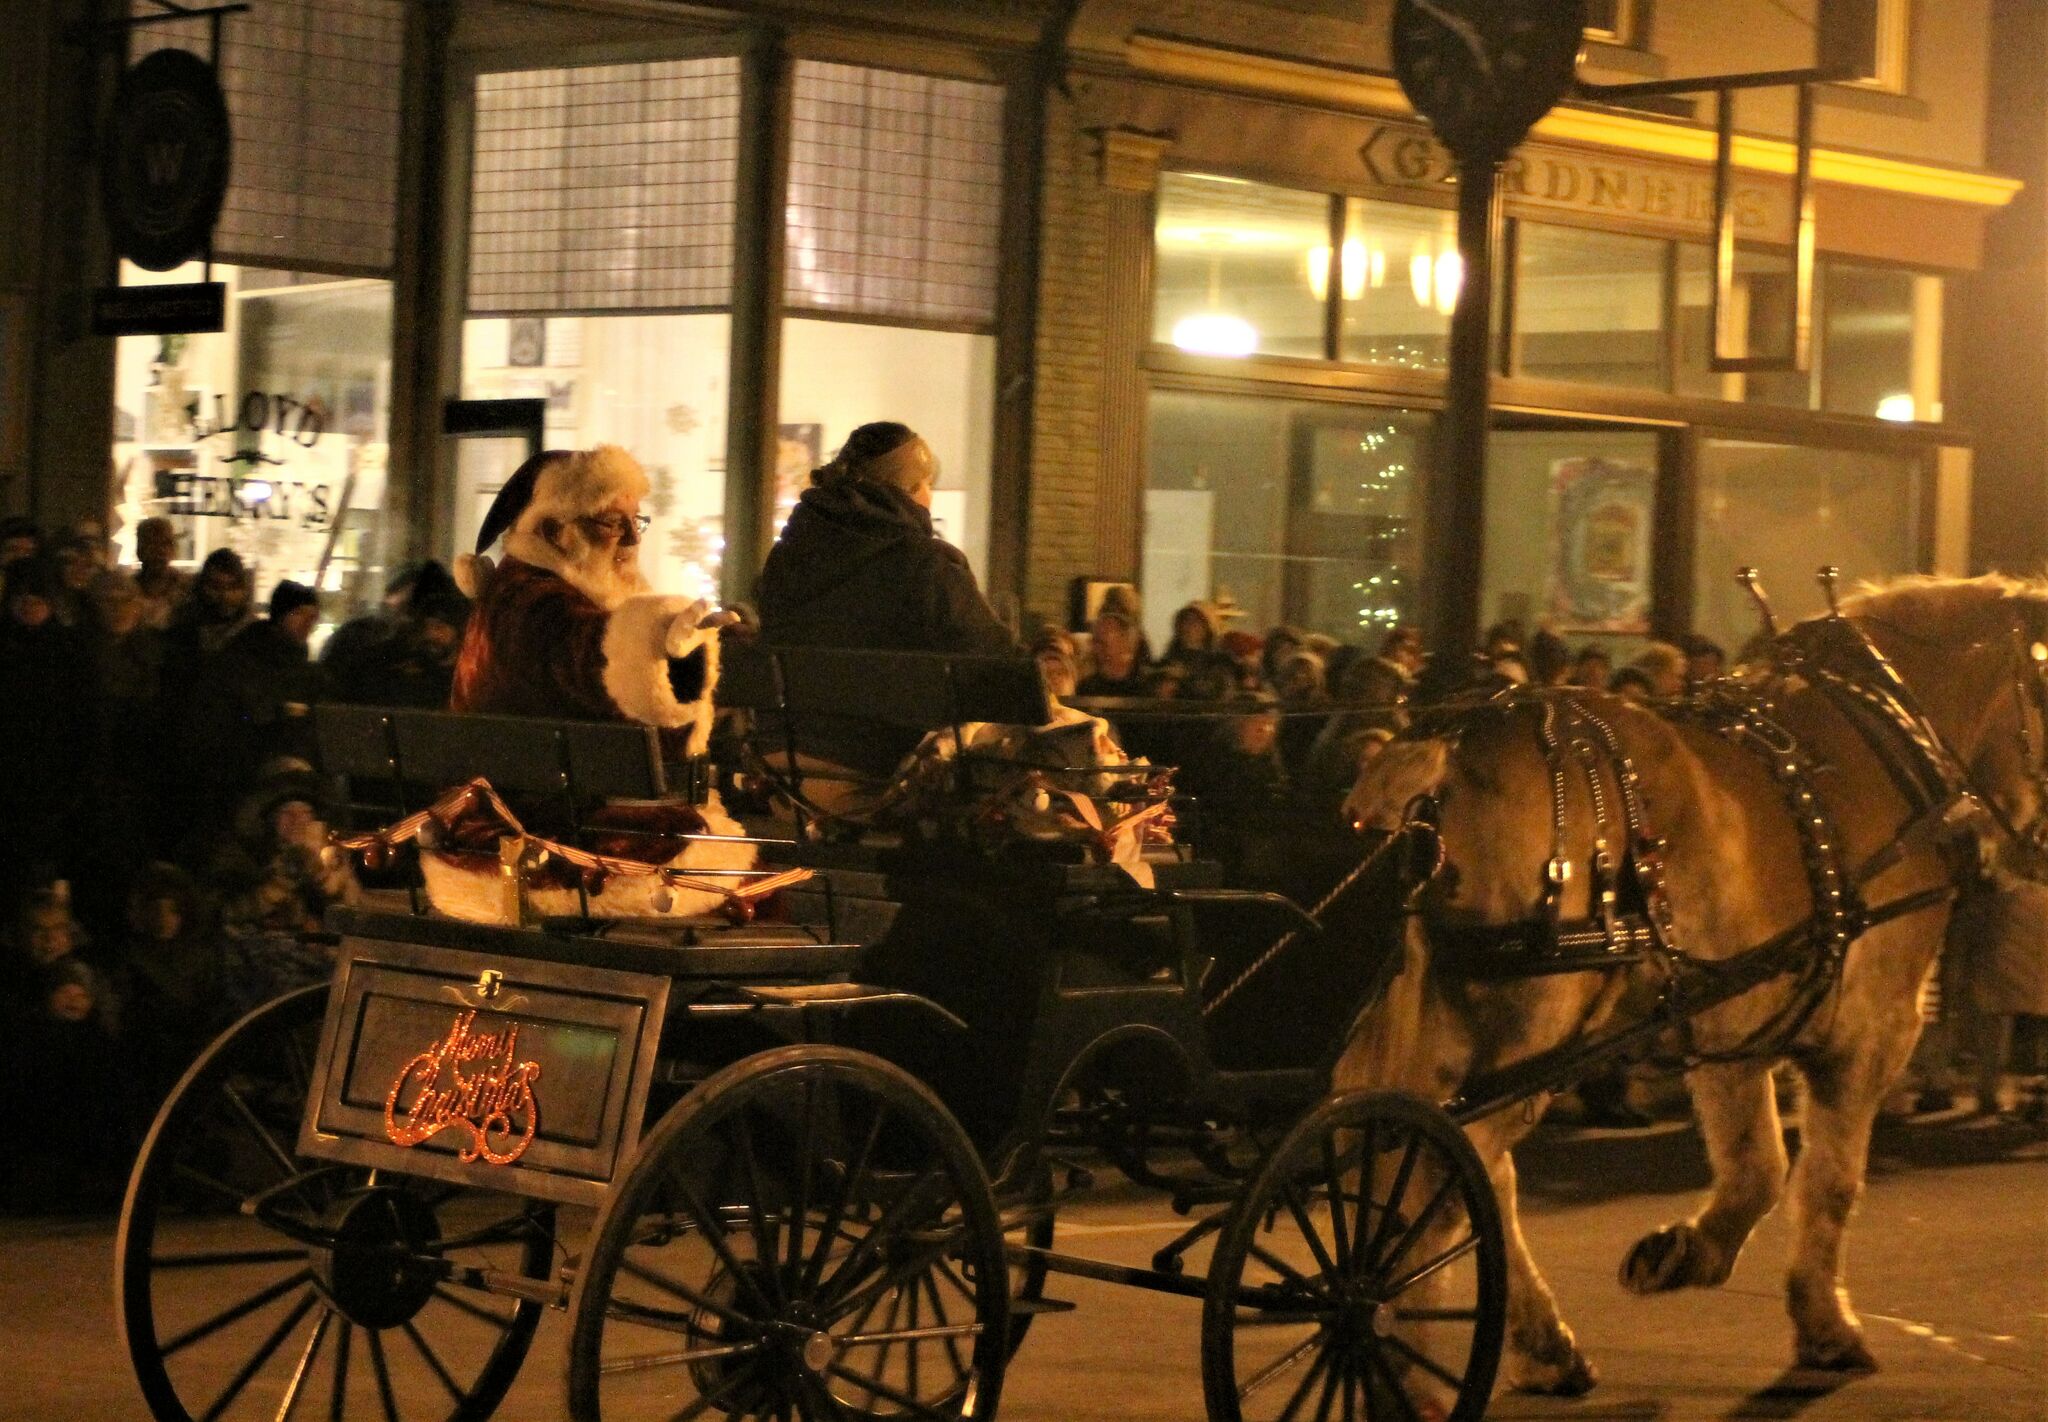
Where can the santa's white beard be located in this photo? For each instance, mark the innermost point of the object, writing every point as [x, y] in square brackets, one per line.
[607, 574]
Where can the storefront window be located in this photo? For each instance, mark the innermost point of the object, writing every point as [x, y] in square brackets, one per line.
[1761, 302]
[1881, 335]
[654, 384]
[1786, 511]
[837, 376]
[1569, 519]
[1590, 306]
[1297, 511]
[1240, 268]
[268, 437]
[1398, 276]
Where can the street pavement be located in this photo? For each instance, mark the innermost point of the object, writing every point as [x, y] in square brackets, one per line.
[1949, 1269]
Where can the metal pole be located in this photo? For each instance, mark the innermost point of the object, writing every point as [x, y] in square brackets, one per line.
[1458, 477]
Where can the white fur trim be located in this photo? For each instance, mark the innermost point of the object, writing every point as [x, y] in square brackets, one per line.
[637, 646]
[583, 482]
[474, 894]
[473, 573]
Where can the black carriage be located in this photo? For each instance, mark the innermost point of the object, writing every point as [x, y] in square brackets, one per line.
[810, 1166]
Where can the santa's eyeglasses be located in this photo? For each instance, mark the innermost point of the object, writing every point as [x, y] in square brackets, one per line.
[616, 526]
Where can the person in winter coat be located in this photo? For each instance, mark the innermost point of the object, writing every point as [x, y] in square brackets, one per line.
[858, 565]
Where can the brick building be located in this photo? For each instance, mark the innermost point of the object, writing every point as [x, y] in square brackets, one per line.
[1167, 284]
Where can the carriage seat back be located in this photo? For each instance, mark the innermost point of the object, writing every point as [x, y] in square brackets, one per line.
[399, 759]
[922, 691]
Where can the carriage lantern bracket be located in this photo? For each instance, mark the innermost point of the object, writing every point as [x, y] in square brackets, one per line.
[1830, 579]
[1752, 583]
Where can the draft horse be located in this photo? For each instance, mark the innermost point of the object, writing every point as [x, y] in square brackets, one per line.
[1759, 875]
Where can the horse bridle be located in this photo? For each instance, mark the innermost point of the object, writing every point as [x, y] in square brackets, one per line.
[2030, 691]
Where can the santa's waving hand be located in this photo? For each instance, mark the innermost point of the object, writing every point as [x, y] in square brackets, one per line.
[566, 626]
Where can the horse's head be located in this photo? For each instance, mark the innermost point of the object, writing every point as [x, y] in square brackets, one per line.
[1974, 653]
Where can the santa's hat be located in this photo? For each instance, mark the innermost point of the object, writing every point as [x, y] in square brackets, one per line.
[558, 484]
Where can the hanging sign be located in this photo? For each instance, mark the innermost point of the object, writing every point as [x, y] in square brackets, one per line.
[164, 168]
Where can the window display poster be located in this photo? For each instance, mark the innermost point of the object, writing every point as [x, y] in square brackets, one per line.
[1600, 551]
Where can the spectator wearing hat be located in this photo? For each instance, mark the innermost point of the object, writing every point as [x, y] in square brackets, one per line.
[1117, 665]
[270, 682]
[1705, 661]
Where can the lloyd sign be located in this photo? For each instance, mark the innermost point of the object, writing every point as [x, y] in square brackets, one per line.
[1671, 197]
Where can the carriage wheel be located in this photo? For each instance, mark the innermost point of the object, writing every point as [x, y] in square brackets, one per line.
[1362, 1274]
[807, 1234]
[227, 1314]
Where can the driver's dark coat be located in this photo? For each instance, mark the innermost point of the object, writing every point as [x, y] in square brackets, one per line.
[858, 565]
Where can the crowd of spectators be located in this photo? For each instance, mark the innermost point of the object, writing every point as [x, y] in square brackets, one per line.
[163, 847]
[1295, 714]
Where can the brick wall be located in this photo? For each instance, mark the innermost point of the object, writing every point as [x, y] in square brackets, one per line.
[1067, 406]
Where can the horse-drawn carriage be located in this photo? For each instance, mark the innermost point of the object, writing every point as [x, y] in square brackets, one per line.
[803, 1155]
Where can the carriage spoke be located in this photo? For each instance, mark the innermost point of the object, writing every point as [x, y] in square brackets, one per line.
[1308, 1381]
[801, 1206]
[222, 1258]
[1285, 1270]
[1368, 1166]
[827, 1408]
[1428, 1364]
[1393, 1385]
[290, 1402]
[1353, 1387]
[219, 1187]
[433, 1360]
[647, 1362]
[1309, 1233]
[875, 1387]
[835, 1220]
[501, 1321]
[713, 1231]
[711, 1399]
[1392, 1209]
[896, 1275]
[757, 1217]
[1422, 1271]
[236, 1312]
[246, 1114]
[1416, 1227]
[1282, 1363]
[940, 1315]
[853, 1268]
[650, 1275]
[890, 1335]
[1340, 1241]
[383, 1371]
[337, 1397]
[261, 1356]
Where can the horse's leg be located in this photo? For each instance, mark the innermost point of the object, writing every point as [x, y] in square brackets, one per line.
[1542, 1356]
[1738, 1115]
[1844, 1090]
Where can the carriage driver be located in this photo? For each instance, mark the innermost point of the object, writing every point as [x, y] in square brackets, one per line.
[859, 565]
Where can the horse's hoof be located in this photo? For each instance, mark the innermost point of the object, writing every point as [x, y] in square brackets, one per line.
[1557, 1369]
[1661, 1261]
[1845, 1354]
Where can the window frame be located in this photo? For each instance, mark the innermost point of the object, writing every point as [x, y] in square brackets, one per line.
[1623, 33]
[1891, 48]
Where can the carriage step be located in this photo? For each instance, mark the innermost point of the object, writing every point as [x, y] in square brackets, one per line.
[1033, 1307]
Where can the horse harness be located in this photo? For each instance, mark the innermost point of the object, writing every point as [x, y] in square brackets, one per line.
[1630, 920]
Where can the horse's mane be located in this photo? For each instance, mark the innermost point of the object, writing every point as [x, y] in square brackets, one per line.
[1929, 600]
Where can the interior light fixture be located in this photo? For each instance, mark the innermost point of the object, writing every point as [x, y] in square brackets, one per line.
[1360, 266]
[1450, 275]
[1214, 333]
[1899, 407]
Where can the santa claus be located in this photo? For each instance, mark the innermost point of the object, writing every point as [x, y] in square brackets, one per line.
[566, 627]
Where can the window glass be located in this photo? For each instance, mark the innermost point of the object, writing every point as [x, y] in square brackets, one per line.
[1763, 294]
[837, 375]
[1569, 522]
[654, 384]
[268, 437]
[1870, 340]
[604, 188]
[1612, 21]
[895, 194]
[1590, 306]
[1299, 512]
[1787, 511]
[312, 89]
[1398, 279]
[1231, 274]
